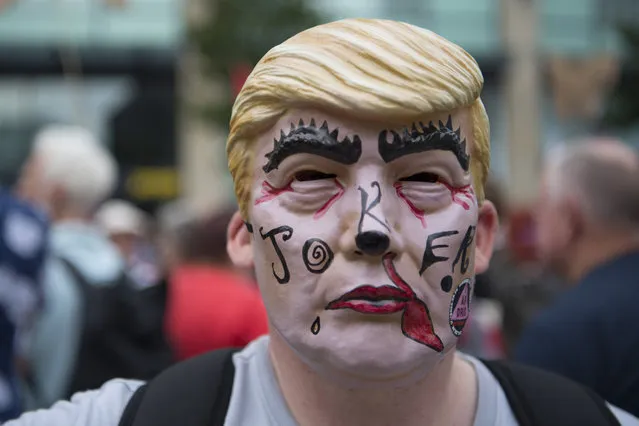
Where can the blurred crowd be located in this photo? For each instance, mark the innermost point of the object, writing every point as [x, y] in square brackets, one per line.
[93, 288]
[110, 290]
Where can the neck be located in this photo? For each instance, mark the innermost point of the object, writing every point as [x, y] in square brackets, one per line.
[447, 396]
[69, 216]
[598, 249]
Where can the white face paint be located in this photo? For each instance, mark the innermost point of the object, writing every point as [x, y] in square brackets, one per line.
[364, 250]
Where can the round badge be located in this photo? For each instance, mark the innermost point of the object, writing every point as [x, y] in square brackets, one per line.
[459, 308]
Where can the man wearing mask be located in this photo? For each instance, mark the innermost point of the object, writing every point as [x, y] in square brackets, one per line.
[359, 151]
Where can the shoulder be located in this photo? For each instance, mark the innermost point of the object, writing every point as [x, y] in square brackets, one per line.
[23, 229]
[625, 418]
[100, 407]
[573, 310]
[578, 315]
[515, 386]
[10, 204]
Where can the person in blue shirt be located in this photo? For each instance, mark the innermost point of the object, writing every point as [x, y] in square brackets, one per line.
[23, 242]
[588, 234]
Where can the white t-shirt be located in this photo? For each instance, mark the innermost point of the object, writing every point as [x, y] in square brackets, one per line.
[256, 399]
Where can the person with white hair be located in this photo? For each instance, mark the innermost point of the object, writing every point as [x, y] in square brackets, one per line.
[588, 234]
[68, 174]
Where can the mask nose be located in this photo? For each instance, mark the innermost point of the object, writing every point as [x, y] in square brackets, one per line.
[372, 243]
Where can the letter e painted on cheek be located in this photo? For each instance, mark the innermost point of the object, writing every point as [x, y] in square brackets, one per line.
[430, 257]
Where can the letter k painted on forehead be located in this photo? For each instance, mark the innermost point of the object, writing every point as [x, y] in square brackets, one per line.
[309, 139]
[424, 138]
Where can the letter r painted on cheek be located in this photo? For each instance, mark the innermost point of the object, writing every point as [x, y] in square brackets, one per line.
[462, 253]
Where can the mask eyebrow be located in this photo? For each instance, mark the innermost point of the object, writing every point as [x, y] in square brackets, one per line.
[424, 138]
[309, 139]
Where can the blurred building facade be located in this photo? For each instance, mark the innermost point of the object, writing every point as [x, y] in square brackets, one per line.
[109, 65]
[523, 46]
[548, 67]
[122, 68]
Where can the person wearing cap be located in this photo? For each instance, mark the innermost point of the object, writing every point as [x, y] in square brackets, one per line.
[127, 225]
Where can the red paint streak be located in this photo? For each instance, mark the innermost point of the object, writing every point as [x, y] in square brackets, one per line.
[462, 191]
[340, 191]
[419, 213]
[394, 276]
[269, 192]
[416, 321]
[417, 325]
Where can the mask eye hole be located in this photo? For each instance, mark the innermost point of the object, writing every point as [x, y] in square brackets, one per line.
[311, 175]
[421, 177]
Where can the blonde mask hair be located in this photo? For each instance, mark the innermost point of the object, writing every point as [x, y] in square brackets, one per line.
[368, 69]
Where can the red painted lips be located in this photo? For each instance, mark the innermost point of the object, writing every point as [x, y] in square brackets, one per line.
[372, 300]
[416, 322]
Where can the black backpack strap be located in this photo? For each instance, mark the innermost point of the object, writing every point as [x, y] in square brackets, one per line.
[132, 407]
[78, 277]
[195, 392]
[540, 398]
